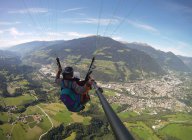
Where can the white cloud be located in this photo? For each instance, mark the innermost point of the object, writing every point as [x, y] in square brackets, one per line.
[182, 44]
[9, 23]
[81, 14]
[118, 38]
[76, 34]
[178, 47]
[66, 35]
[27, 37]
[104, 21]
[72, 9]
[13, 31]
[29, 10]
[41, 10]
[143, 26]
[18, 37]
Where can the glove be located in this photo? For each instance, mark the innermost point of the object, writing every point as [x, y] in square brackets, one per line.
[90, 82]
[60, 69]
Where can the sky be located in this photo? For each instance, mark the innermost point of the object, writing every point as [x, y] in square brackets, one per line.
[163, 24]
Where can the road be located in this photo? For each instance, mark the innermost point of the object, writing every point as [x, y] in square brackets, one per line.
[11, 132]
[49, 120]
[45, 115]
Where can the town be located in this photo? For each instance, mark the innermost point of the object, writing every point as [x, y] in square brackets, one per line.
[159, 94]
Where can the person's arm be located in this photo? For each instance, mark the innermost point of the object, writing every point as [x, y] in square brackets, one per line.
[57, 78]
[77, 88]
[84, 82]
[81, 83]
[81, 89]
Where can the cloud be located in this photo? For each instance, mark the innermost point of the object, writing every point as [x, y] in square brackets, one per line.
[174, 50]
[182, 44]
[5, 43]
[41, 10]
[118, 38]
[76, 34]
[175, 46]
[13, 32]
[104, 21]
[143, 26]
[9, 23]
[29, 10]
[66, 35]
[27, 37]
[72, 9]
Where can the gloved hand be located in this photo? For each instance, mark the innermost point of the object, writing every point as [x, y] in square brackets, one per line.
[58, 64]
[90, 82]
[59, 69]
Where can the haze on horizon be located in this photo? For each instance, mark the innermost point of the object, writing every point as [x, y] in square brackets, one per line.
[165, 24]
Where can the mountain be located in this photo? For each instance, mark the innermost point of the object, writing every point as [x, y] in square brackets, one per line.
[31, 46]
[8, 54]
[8, 58]
[167, 60]
[187, 61]
[113, 59]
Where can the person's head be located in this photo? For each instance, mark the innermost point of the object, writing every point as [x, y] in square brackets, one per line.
[68, 73]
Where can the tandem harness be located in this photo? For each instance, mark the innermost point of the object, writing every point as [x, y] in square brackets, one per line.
[70, 98]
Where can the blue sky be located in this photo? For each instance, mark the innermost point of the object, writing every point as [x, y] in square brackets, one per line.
[163, 24]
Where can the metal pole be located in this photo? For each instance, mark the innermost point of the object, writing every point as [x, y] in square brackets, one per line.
[117, 126]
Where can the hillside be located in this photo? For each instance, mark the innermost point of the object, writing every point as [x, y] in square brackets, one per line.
[8, 54]
[151, 108]
[28, 47]
[115, 61]
[187, 61]
[167, 60]
[8, 58]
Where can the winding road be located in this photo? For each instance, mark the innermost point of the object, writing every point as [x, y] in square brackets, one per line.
[49, 120]
[45, 115]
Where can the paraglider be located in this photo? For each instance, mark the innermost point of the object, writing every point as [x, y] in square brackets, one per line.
[74, 92]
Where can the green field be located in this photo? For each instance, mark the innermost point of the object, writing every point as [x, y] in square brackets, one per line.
[1, 134]
[179, 117]
[58, 113]
[140, 127]
[177, 131]
[107, 67]
[109, 92]
[45, 124]
[4, 130]
[20, 100]
[128, 114]
[106, 137]
[115, 106]
[72, 136]
[30, 130]
[141, 131]
[23, 131]
[3, 116]
[32, 110]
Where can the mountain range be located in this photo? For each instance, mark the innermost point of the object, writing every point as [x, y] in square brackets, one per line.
[167, 60]
[115, 60]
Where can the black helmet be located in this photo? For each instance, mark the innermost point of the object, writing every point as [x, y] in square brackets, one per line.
[68, 71]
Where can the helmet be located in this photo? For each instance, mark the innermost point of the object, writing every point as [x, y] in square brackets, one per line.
[68, 71]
